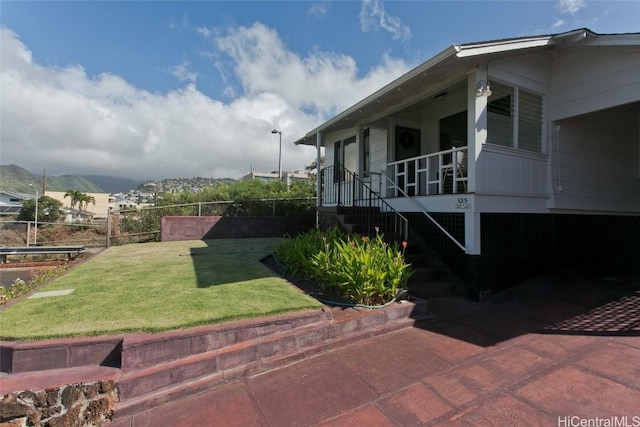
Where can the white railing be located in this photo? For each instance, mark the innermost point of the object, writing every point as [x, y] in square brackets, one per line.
[425, 213]
[444, 172]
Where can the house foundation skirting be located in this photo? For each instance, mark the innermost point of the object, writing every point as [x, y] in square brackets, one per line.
[516, 246]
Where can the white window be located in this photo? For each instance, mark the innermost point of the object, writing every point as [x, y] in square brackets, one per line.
[514, 118]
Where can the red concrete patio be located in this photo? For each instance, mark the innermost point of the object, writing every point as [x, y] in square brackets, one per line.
[556, 351]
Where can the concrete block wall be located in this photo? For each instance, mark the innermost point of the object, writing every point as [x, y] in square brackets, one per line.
[173, 228]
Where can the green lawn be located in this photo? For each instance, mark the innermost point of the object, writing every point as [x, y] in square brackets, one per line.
[155, 287]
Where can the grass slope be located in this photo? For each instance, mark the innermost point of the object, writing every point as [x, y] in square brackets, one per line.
[155, 287]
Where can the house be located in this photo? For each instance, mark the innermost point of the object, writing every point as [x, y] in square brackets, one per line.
[11, 201]
[506, 156]
[287, 176]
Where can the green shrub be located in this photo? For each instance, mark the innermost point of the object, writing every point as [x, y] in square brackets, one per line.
[365, 271]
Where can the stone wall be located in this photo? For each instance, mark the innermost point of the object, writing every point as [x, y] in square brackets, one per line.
[67, 406]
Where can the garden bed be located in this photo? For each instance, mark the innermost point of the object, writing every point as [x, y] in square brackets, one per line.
[310, 287]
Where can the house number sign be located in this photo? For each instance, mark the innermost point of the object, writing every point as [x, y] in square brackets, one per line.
[462, 203]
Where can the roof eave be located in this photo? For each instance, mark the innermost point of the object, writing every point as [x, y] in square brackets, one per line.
[473, 50]
[422, 68]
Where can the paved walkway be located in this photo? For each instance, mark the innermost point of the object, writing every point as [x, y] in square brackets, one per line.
[556, 351]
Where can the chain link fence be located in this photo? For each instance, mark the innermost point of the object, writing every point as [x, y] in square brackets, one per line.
[138, 225]
[143, 225]
[24, 233]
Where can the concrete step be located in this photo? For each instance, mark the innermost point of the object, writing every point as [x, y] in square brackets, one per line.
[145, 388]
[248, 354]
[142, 350]
[157, 368]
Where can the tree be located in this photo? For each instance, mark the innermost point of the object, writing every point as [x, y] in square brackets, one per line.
[75, 197]
[48, 210]
[84, 200]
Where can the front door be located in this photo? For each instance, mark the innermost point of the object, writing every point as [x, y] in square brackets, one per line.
[407, 145]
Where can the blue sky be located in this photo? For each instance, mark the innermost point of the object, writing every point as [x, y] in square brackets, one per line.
[155, 89]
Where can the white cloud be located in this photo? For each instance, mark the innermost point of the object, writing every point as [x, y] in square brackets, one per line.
[571, 6]
[182, 24]
[559, 23]
[182, 73]
[325, 82]
[67, 121]
[319, 8]
[374, 16]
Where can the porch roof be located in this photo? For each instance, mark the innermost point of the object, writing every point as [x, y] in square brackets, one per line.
[395, 95]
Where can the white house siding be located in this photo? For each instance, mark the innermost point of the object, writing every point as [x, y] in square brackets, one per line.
[506, 171]
[532, 72]
[596, 161]
[590, 81]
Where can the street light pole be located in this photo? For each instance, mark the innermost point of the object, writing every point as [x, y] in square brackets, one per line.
[279, 154]
[35, 236]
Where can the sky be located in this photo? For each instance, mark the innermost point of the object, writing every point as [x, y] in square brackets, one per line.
[168, 89]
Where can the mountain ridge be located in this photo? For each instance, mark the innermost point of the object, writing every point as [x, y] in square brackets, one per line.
[15, 178]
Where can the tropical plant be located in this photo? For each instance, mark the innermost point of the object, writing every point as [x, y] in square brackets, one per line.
[364, 270]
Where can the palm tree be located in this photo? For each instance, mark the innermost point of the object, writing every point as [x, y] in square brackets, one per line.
[75, 196]
[85, 199]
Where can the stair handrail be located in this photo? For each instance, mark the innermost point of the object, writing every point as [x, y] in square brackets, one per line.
[388, 208]
[424, 212]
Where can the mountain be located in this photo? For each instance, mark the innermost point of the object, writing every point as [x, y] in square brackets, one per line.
[112, 184]
[15, 178]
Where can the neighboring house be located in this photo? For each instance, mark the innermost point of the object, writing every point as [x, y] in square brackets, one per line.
[507, 156]
[11, 202]
[287, 177]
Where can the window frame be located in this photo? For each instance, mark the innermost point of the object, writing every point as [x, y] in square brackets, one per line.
[497, 109]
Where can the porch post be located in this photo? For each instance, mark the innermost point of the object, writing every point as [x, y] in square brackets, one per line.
[476, 137]
[476, 127]
[318, 178]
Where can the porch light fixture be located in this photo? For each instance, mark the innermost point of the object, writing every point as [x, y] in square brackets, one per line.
[484, 89]
[279, 153]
